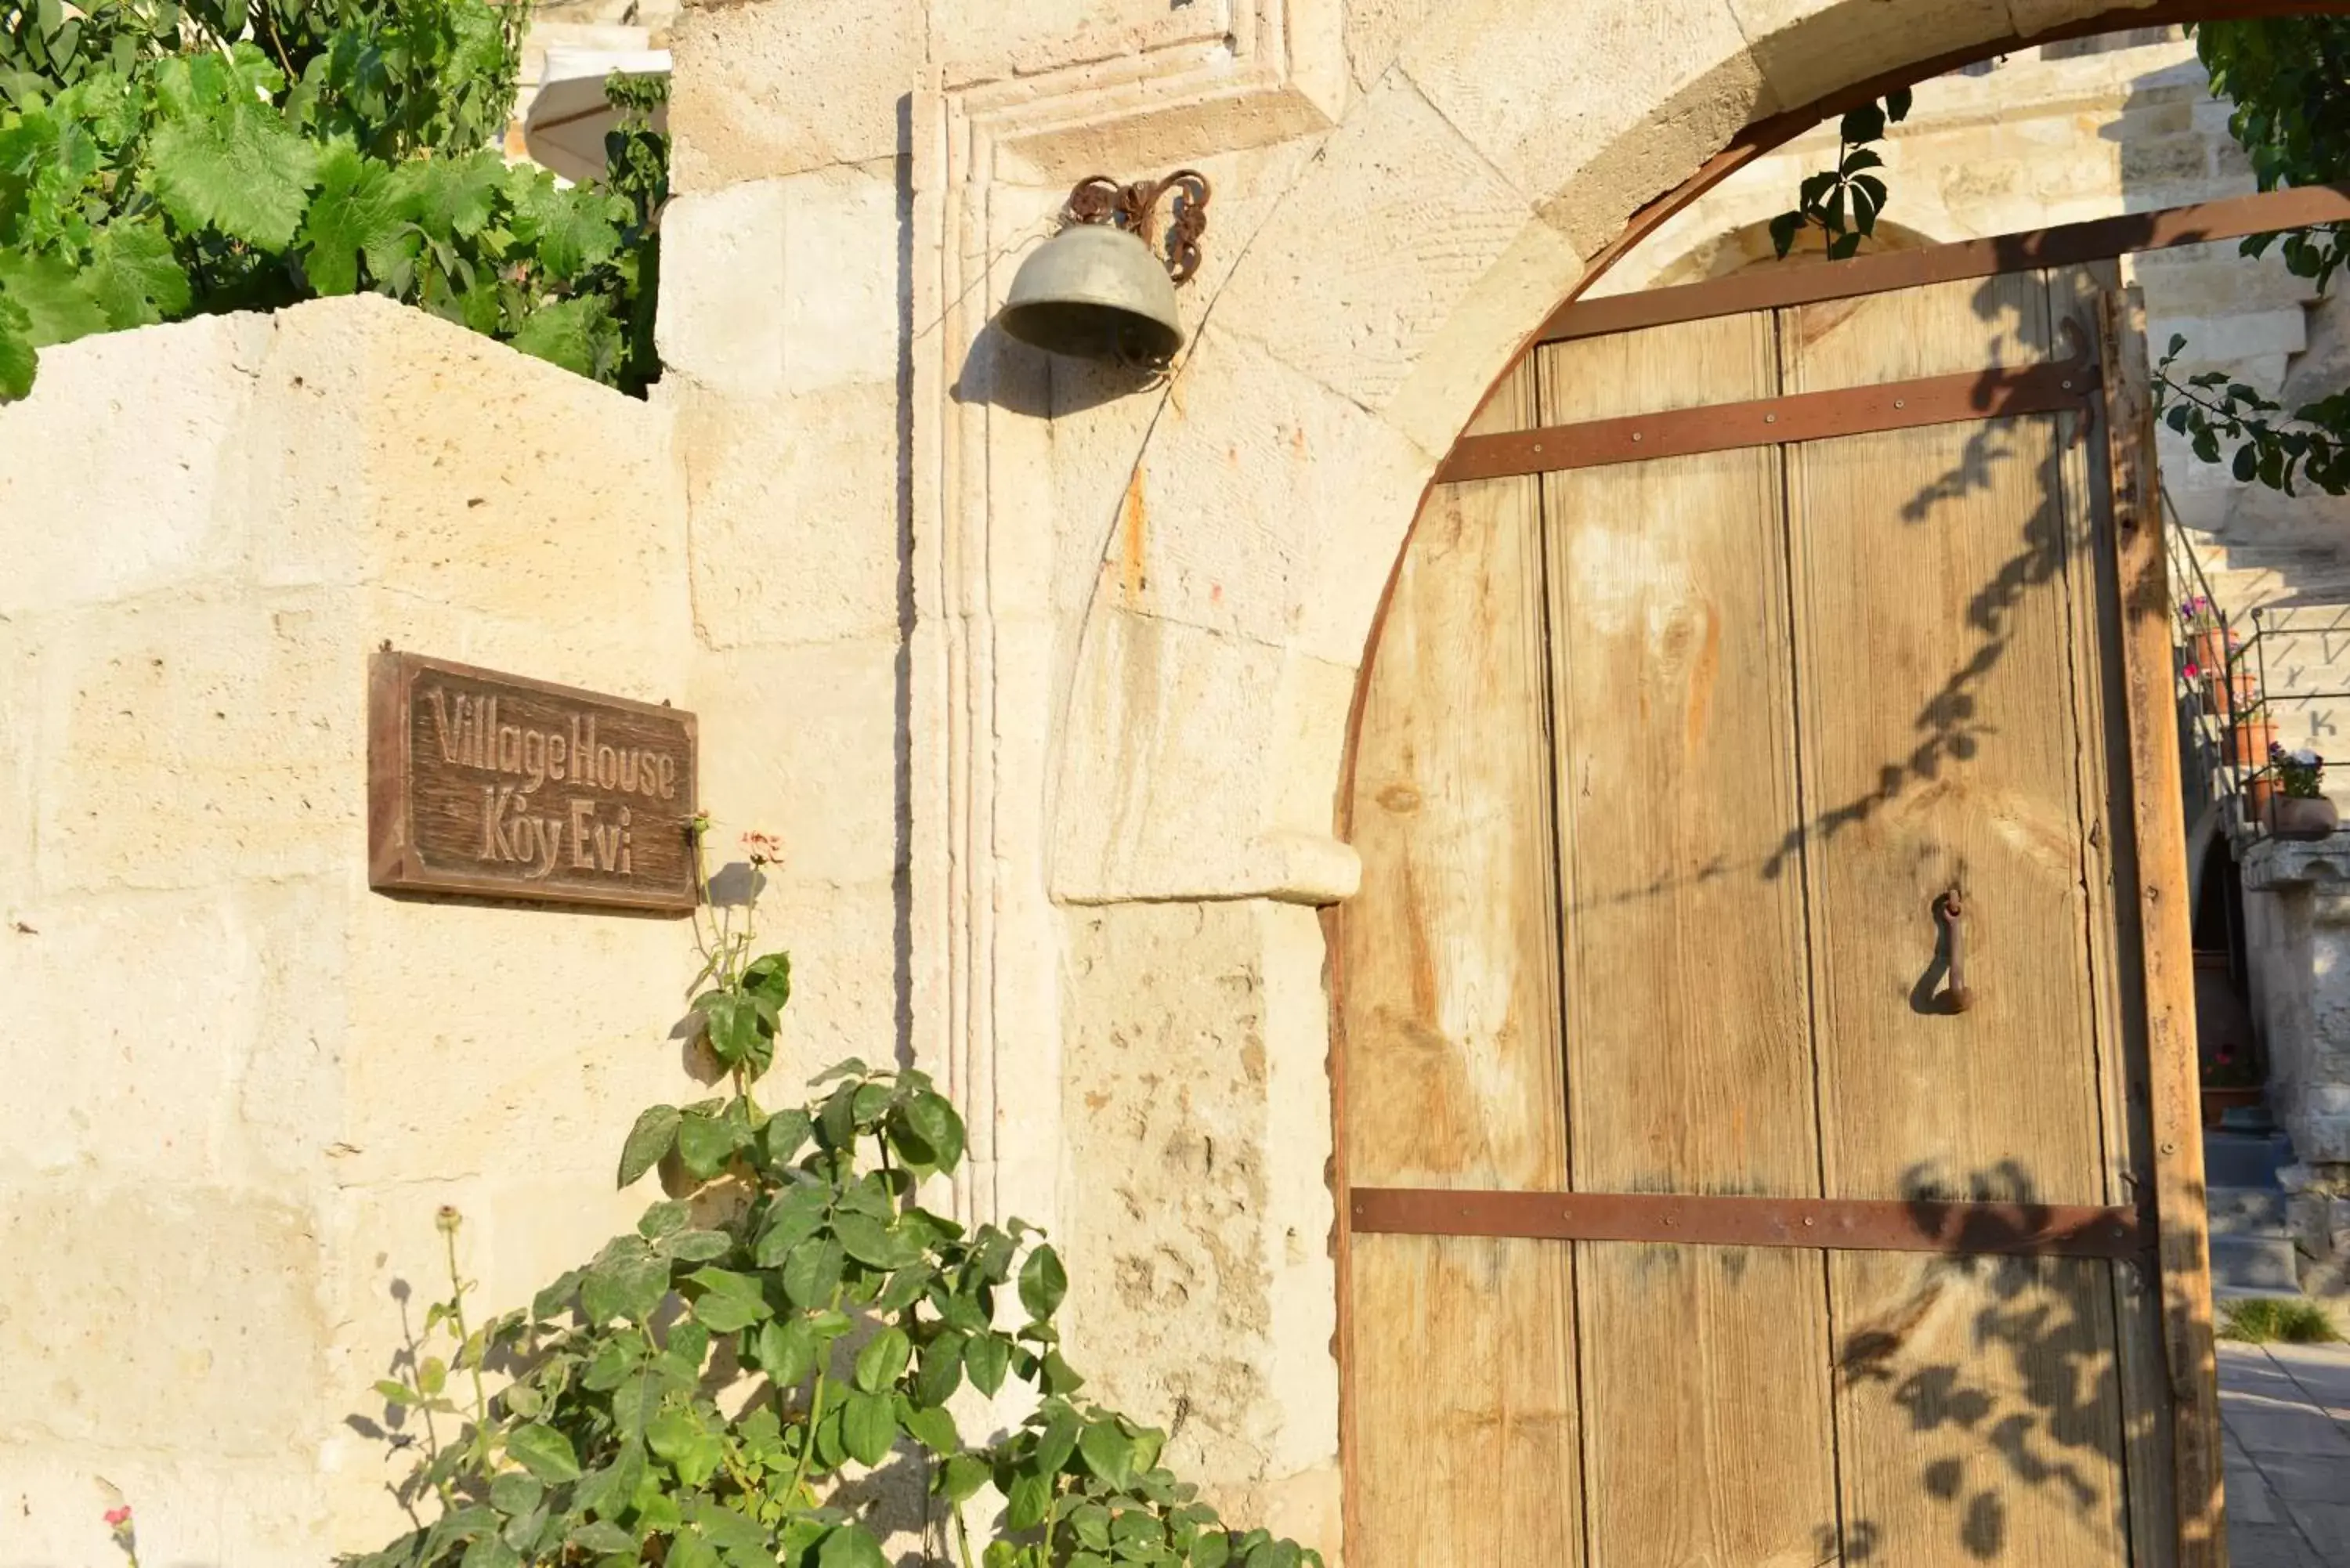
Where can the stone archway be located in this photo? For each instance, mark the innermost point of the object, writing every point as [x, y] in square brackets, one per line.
[1201, 736]
[1450, 211]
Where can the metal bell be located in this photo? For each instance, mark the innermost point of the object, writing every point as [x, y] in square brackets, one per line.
[1094, 292]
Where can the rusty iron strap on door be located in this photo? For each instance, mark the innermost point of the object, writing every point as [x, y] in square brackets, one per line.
[2067, 245]
[1834, 1224]
[2060, 386]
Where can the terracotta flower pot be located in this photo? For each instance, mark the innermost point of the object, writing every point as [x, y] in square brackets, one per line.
[2209, 650]
[2244, 687]
[2249, 741]
[2218, 1103]
[2302, 816]
[2258, 794]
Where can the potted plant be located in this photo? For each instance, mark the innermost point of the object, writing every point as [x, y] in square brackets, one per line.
[2259, 790]
[2229, 1081]
[2299, 810]
[2224, 694]
[2252, 736]
[2208, 641]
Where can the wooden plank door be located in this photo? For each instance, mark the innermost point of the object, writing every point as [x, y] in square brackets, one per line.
[1667, 775]
[1457, 1081]
[1672, 699]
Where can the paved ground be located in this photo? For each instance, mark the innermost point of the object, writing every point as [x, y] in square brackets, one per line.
[2287, 1412]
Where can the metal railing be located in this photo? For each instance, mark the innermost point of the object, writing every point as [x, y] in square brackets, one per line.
[2227, 713]
[2207, 698]
[2281, 629]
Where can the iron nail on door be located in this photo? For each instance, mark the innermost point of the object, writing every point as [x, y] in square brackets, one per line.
[1956, 996]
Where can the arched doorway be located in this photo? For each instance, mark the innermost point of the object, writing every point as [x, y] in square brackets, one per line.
[1209, 694]
[1702, 1211]
[1666, 770]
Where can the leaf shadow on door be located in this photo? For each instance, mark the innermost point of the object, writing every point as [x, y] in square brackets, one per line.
[1952, 724]
[1998, 1375]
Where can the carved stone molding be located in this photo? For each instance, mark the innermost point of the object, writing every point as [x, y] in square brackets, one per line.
[1214, 75]
[1209, 76]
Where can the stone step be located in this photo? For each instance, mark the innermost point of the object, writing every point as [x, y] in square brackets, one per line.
[2246, 1212]
[2254, 1119]
[2254, 1262]
[2243, 1159]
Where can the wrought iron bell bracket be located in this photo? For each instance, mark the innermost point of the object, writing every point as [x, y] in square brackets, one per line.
[1099, 199]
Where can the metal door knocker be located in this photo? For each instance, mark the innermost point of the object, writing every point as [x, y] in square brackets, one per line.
[1956, 996]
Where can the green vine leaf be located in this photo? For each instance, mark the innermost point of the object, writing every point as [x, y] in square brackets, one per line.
[452, 198]
[19, 359]
[490, 1552]
[134, 276]
[1043, 1284]
[357, 212]
[577, 333]
[663, 1219]
[729, 1301]
[516, 1494]
[851, 1546]
[251, 153]
[935, 1130]
[883, 1360]
[934, 1428]
[941, 1369]
[544, 1452]
[785, 1134]
[786, 1352]
[869, 1427]
[648, 1140]
[705, 1144]
[1058, 1438]
[987, 1358]
[697, 1246]
[869, 1241]
[812, 1272]
[601, 1535]
[961, 1477]
[50, 296]
[1027, 1500]
[242, 172]
[572, 232]
[625, 1284]
[1107, 1453]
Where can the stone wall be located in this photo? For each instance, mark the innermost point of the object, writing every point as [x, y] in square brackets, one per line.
[1133, 612]
[1043, 672]
[2297, 929]
[2062, 134]
[240, 1083]
[2297, 933]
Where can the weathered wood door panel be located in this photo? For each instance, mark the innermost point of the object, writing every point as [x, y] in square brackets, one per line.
[1666, 774]
[1459, 1082]
[1937, 659]
[1672, 707]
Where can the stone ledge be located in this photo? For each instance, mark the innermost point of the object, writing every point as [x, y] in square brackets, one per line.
[1282, 867]
[2276, 864]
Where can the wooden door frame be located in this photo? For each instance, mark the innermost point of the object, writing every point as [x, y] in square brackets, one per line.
[2157, 804]
[2178, 1203]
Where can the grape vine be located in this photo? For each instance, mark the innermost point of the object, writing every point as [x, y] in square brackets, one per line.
[161, 160]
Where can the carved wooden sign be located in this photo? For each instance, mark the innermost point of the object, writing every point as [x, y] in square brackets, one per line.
[507, 788]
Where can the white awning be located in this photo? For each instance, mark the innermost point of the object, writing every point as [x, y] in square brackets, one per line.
[568, 117]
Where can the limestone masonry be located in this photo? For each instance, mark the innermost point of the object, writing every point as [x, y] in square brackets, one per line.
[1042, 675]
